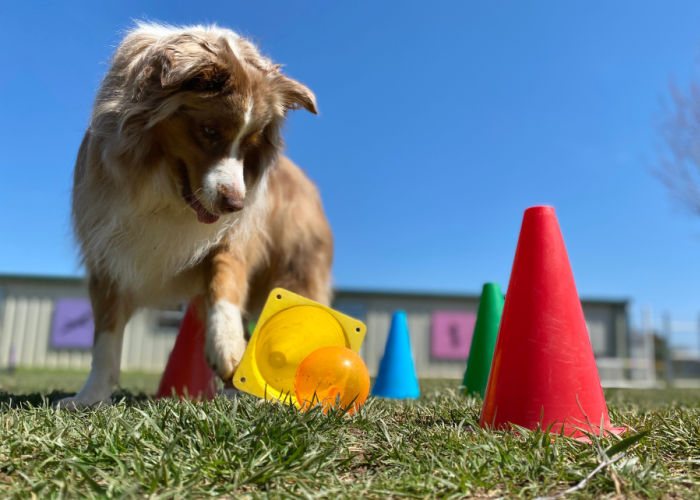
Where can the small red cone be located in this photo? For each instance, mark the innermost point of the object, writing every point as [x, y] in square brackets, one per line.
[187, 372]
[543, 372]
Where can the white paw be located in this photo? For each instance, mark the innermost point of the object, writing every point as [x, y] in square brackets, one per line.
[229, 392]
[225, 341]
[78, 403]
[97, 390]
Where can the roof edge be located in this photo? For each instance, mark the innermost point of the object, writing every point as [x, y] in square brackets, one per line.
[348, 292]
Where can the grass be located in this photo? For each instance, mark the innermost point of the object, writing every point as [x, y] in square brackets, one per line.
[429, 448]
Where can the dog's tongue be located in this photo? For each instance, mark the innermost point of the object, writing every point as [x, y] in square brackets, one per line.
[206, 217]
[203, 215]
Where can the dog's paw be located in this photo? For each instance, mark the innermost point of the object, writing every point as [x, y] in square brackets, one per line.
[80, 403]
[225, 340]
[229, 392]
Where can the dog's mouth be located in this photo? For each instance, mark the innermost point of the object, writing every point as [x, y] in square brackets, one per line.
[203, 215]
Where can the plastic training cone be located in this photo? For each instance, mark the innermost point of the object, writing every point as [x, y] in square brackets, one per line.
[187, 372]
[543, 371]
[397, 376]
[488, 318]
[290, 328]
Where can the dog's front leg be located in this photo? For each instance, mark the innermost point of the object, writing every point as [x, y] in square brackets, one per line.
[111, 313]
[227, 289]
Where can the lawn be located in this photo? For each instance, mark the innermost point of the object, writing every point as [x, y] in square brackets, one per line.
[432, 447]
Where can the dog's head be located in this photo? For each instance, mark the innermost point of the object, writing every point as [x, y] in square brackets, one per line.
[202, 103]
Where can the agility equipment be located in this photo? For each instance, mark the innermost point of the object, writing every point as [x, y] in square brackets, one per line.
[476, 375]
[397, 376]
[290, 328]
[187, 373]
[333, 377]
[543, 372]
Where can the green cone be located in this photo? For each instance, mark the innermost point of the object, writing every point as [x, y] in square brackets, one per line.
[484, 340]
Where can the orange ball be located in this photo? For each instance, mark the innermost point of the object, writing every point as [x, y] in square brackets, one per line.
[333, 377]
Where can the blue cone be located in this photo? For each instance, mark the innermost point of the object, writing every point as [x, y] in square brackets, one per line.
[397, 376]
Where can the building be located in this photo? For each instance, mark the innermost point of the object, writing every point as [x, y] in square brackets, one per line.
[46, 322]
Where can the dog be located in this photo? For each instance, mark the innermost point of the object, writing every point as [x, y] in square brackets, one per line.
[181, 189]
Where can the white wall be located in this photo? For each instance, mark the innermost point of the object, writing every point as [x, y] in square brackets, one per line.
[26, 310]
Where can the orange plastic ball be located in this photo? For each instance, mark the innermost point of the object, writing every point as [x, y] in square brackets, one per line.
[333, 377]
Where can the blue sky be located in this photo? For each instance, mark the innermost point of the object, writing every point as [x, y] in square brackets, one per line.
[440, 122]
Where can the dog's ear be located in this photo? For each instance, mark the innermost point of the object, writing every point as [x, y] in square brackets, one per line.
[196, 72]
[171, 69]
[295, 95]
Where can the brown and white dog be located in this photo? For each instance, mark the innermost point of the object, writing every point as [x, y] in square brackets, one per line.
[181, 189]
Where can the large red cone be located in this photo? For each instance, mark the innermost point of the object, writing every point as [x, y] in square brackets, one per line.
[543, 372]
[187, 372]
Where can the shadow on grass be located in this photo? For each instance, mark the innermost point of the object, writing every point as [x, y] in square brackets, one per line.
[36, 399]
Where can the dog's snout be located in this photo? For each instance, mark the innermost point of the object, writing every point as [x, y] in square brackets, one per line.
[231, 203]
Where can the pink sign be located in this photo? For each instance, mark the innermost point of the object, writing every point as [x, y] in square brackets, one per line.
[451, 334]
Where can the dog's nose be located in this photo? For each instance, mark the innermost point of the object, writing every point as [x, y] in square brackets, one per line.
[231, 204]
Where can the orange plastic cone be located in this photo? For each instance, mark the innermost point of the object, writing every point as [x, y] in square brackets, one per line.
[187, 372]
[543, 372]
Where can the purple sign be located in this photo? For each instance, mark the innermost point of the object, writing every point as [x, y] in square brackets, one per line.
[72, 326]
[451, 334]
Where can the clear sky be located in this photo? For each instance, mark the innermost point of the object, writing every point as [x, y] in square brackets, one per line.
[440, 122]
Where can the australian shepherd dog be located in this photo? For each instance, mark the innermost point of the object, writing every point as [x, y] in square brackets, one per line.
[181, 189]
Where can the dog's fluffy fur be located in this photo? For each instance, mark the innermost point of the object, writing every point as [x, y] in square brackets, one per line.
[181, 189]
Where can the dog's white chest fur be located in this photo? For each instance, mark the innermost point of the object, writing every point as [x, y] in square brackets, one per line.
[147, 246]
[144, 253]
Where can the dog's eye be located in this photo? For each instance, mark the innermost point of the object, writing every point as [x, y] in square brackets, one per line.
[210, 132]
